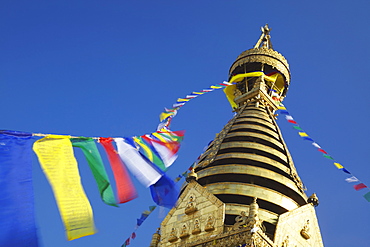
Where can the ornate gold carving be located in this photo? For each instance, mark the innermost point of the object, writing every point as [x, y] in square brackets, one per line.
[240, 221]
[196, 229]
[210, 224]
[305, 230]
[191, 206]
[173, 236]
[285, 243]
[184, 232]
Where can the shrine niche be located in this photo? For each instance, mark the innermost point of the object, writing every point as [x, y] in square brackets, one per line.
[184, 231]
[210, 223]
[196, 229]
[191, 206]
[173, 235]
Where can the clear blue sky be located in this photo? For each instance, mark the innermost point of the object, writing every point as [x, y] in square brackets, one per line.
[107, 68]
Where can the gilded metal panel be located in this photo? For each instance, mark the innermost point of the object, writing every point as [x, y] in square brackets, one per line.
[252, 190]
[256, 127]
[257, 135]
[254, 157]
[251, 170]
[260, 121]
[257, 146]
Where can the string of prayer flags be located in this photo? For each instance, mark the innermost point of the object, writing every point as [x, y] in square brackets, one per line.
[125, 189]
[17, 216]
[55, 154]
[358, 186]
[166, 116]
[92, 155]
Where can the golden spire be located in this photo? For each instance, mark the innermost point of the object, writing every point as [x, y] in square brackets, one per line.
[265, 39]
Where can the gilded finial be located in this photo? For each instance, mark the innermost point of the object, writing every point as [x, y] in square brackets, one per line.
[265, 39]
[192, 176]
[313, 200]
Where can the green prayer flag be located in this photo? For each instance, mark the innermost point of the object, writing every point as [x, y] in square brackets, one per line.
[367, 196]
[95, 162]
[151, 208]
[297, 127]
[328, 157]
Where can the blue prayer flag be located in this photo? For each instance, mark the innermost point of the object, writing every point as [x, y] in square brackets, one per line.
[17, 219]
[165, 192]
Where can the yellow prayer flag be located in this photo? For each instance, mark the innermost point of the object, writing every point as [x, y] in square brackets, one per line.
[302, 134]
[55, 154]
[339, 166]
[164, 115]
[182, 100]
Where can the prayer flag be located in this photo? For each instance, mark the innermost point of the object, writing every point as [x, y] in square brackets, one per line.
[302, 134]
[345, 170]
[148, 150]
[307, 138]
[292, 121]
[367, 196]
[297, 127]
[125, 189]
[56, 157]
[322, 151]
[328, 156]
[339, 166]
[359, 186]
[151, 208]
[164, 192]
[146, 173]
[284, 112]
[17, 216]
[179, 100]
[133, 235]
[288, 117]
[316, 145]
[352, 179]
[95, 162]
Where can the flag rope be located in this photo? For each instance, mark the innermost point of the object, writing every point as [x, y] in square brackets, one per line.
[357, 183]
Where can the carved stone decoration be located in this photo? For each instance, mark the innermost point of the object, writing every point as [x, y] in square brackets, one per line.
[305, 230]
[285, 243]
[191, 206]
[240, 221]
[196, 229]
[184, 232]
[173, 235]
[210, 224]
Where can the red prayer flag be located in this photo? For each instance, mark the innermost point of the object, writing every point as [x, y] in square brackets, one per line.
[133, 235]
[125, 189]
[292, 121]
[322, 151]
[359, 186]
[127, 241]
